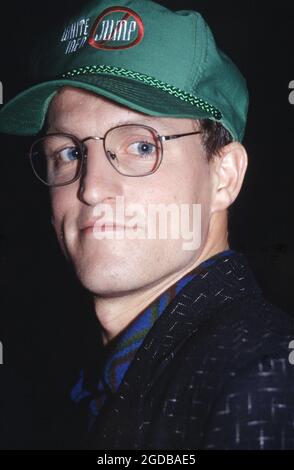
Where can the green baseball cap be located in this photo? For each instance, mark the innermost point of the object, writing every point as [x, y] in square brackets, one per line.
[136, 53]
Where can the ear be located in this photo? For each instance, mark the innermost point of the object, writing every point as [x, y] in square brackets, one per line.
[228, 171]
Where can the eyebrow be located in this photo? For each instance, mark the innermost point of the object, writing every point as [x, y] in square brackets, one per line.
[147, 121]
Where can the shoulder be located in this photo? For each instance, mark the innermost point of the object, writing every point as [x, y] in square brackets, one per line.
[230, 315]
[243, 331]
[253, 327]
[243, 354]
[237, 337]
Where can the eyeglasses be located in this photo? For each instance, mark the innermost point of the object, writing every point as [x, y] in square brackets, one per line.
[58, 159]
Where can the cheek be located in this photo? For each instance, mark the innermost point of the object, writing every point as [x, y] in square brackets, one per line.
[192, 186]
[190, 182]
[63, 205]
[184, 190]
[57, 205]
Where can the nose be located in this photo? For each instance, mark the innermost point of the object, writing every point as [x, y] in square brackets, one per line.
[99, 180]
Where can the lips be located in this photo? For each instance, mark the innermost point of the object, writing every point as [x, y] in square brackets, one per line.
[93, 226]
[108, 226]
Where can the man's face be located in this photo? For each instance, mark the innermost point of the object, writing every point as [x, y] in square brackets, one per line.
[119, 266]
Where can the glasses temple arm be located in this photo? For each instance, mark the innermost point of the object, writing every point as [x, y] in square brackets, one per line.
[164, 138]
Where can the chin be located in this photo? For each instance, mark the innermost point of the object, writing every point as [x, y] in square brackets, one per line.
[106, 282]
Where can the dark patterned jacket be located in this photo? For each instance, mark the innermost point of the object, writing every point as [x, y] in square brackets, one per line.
[212, 373]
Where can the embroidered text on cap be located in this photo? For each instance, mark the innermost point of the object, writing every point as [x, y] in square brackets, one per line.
[116, 28]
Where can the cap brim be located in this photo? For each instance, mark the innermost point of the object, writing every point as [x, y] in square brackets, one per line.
[25, 114]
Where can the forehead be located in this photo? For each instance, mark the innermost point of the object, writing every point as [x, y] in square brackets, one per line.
[70, 106]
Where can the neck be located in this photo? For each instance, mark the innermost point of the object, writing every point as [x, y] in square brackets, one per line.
[116, 313]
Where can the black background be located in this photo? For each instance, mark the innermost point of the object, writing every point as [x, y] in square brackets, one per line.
[47, 322]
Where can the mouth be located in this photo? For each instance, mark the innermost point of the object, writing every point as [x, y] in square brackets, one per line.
[105, 227]
[108, 227]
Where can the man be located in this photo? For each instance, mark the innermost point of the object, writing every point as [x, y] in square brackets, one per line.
[136, 108]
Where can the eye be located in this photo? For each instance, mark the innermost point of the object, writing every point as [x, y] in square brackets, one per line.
[69, 154]
[143, 149]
